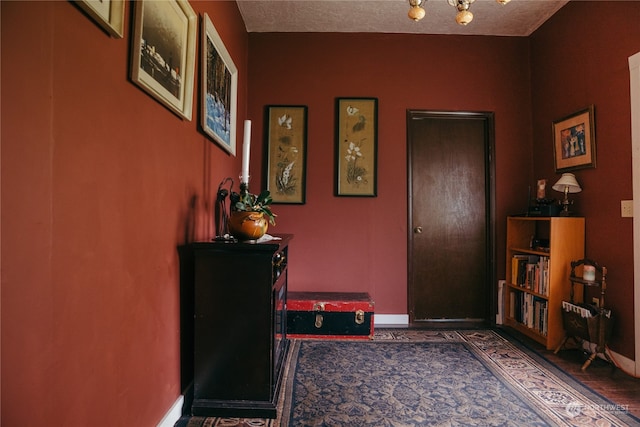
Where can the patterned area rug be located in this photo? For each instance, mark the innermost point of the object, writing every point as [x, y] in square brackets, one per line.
[429, 378]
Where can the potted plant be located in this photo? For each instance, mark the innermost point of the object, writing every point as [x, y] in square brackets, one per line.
[250, 215]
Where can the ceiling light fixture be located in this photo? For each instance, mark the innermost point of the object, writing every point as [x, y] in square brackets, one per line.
[416, 12]
[464, 16]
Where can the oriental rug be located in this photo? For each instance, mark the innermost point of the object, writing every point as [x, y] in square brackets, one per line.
[412, 378]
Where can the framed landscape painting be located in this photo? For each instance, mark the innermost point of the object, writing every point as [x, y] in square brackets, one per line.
[219, 90]
[356, 147]
[574, 141]
[163, 52]
[286, 152]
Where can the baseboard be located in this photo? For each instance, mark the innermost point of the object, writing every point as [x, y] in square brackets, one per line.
[391, 320]
[173, 415]
[624, 363]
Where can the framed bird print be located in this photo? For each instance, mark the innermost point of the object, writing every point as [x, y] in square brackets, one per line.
[574, 141]
[356, 147]
[286, 152]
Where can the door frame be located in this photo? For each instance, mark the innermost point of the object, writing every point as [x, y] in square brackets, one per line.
[634, 78]
[488, 117]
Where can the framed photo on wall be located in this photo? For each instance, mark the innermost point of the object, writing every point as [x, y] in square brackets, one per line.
[219, 90]
[163, 52]
[286, 128]
[109, 14]
[574, 141]
[356, 147]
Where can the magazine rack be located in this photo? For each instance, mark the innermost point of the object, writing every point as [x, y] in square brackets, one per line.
[584, 322]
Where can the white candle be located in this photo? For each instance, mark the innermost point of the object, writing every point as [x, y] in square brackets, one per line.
[589, 273]
[246, 145]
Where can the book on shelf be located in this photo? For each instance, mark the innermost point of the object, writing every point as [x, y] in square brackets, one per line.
[529, 310]
[531, 272]
[518, 262]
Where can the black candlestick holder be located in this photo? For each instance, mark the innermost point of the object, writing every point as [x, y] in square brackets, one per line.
[222, 212]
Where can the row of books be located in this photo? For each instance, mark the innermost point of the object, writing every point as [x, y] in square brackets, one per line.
[531, 272]
[529, 310]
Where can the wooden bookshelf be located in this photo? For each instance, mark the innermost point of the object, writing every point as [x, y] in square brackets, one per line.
[532, 307]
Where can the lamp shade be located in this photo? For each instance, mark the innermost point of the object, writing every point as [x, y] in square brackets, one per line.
[567, 182]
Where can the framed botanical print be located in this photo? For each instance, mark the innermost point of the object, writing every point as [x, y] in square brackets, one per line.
[356, 147]
[286, 128]
[163, 52]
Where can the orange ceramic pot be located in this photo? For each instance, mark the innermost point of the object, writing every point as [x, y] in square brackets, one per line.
[247, 225]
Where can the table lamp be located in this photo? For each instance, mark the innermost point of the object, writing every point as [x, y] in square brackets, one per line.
[567, 184]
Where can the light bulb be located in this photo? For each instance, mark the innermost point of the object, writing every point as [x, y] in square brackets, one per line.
[416, 13]
[464, 17]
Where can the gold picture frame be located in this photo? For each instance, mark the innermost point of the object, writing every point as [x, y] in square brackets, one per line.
[109, 14]
[356, 147]
[163, 52]
[219, 89]
[574, 141]
[286, 128]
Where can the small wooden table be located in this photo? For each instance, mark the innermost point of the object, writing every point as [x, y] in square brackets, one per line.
[584, 323]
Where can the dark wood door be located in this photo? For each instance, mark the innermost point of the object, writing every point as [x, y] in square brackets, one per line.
[449, 226]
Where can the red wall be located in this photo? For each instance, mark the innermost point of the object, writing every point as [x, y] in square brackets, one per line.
[580, 57]
[100, 184]
[360, 244]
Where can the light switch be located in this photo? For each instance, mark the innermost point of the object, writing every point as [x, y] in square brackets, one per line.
[626, 207]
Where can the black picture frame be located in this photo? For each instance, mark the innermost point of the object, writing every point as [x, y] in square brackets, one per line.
[356, 147]
[286, 153]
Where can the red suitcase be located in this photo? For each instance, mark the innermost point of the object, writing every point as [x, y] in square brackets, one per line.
[330, 315]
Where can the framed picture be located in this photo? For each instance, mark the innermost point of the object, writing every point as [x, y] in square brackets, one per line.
[219, 91]
[574, 141]
[356, 147]
[286, 152]
[163, 52]
[109, 14]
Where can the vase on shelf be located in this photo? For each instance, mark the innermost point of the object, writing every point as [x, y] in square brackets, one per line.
[247, 225]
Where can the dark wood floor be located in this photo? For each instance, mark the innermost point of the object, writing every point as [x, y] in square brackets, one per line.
[601, 376]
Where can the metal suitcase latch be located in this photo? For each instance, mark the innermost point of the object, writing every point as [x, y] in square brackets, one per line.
[318, 307]
[359, 317]
[319, 320]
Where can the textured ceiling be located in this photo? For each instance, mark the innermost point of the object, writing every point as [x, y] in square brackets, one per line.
[517, 18]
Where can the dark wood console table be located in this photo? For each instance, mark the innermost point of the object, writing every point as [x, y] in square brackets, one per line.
[240, 342]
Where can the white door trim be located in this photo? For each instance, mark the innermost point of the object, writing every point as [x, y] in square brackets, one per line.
[634, 71]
